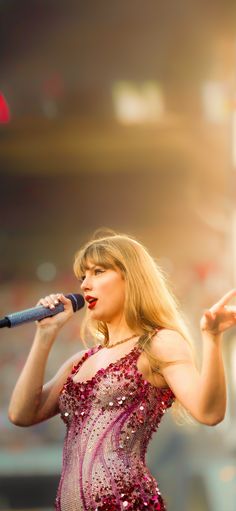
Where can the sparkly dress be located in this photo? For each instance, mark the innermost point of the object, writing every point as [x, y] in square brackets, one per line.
[110, 419]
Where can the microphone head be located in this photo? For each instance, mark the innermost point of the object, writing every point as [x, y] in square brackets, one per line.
[77, 301]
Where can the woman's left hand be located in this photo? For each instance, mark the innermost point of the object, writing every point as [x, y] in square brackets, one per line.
[220, 316]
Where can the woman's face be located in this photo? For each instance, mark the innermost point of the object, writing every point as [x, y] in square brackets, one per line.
[104, 292]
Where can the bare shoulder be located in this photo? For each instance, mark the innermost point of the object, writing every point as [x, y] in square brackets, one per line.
[169, 345]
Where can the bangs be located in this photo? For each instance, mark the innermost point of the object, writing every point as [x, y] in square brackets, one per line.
[95, 254]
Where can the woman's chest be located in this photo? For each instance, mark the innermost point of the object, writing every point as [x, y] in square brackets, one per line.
[88, 368]
[134, 361]
[109, 390]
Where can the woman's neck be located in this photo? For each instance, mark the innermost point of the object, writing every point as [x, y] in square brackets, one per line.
[118, 332]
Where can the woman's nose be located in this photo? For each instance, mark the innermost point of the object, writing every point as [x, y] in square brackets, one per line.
[86, 284]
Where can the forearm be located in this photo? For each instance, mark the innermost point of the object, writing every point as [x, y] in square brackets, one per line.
[26, 396]
[212, 389]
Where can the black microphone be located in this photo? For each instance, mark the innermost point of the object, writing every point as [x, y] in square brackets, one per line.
[40, 312]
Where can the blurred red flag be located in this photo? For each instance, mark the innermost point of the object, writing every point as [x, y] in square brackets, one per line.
[4, 110]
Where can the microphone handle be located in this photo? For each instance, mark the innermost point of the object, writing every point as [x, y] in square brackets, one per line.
[39, 312]
[34, 314]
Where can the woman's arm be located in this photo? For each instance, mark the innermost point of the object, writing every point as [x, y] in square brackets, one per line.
[31, 401]
[202, 393]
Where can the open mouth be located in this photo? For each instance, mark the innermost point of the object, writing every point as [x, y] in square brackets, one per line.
[91, 301]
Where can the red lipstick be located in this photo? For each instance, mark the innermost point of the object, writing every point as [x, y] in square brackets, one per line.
[92, 304]
[91, 301]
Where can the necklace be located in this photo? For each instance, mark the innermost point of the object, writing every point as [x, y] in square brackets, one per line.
[120, 342]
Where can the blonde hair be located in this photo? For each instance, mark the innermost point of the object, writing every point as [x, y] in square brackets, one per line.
[149, 302]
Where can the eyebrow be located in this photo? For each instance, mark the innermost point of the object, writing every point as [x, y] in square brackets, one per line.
[92, 267]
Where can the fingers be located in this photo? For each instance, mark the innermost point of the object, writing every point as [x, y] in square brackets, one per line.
[62, 298]
[230, 308]
[209, 314]
[224, 300]
[52, 300]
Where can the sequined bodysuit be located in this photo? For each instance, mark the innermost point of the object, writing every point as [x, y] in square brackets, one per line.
[110, 420]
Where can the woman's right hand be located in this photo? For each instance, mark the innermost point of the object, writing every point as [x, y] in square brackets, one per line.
[31, 400]
[54, 323]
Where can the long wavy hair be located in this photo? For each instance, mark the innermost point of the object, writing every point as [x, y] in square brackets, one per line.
[149, 302]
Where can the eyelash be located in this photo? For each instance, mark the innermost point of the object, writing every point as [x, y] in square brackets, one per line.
[99, 270]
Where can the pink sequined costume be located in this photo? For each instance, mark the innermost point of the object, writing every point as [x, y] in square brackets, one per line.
[110, 420]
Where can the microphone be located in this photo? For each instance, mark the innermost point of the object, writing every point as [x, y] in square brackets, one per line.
[40, 312]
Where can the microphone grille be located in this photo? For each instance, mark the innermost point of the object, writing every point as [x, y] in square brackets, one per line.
[77, 301]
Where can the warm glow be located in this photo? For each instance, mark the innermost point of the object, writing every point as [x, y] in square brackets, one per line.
[138, 103]
[234, 139]
[215, 98]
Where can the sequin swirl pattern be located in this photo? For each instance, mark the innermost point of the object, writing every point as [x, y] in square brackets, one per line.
[110, 420]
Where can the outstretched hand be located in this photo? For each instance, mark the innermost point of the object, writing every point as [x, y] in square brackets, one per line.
[220, 316]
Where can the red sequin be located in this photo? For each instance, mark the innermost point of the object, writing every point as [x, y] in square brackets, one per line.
[110, 420]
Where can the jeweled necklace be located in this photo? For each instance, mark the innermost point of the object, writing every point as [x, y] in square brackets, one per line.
[120, 342]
